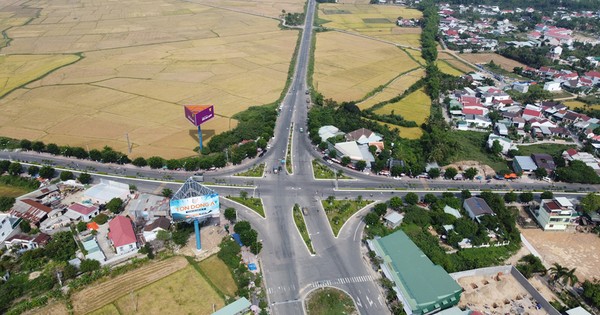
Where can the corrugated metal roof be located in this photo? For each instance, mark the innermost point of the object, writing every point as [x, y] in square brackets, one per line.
[424, 282]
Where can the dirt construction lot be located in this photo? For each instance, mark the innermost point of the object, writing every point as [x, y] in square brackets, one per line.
[569, 249]
[499, 295]
[140, 62]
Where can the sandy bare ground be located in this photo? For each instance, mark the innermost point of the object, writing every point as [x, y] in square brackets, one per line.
[570, 249]
[210, 236]
[482, 169]
[497, 295]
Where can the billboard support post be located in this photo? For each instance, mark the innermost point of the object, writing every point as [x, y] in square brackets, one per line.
[200, 138]
[197, 229]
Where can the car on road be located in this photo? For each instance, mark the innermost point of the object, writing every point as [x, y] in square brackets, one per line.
[301, 130]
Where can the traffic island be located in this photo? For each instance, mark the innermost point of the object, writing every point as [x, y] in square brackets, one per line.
[339, 211]
[329, 301]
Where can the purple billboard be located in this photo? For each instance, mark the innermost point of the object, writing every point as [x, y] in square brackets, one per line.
[198, 114]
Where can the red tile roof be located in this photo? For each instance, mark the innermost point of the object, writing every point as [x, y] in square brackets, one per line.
[83, 209]
[472, 111]
[121, 231]
[37, 205]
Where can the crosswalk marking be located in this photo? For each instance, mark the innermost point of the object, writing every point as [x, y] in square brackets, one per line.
[325, 283]
[347, 280]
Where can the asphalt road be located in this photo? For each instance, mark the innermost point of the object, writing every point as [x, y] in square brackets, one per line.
[290, 271]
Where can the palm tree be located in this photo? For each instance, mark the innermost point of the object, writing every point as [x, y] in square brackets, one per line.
[557, 271]
[569, 277]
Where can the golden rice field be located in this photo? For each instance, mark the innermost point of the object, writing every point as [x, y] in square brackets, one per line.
[455, 63]
[271, 8]
[404, 132]
[348, 67]
[446, 68]
[18, 70]
[415, 106]
[506, 63]
[574, 104]
[142, 61]
[395, 88]
[416, 54]
[377, 21]
[184, 292]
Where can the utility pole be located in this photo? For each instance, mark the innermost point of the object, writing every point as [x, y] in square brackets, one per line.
[128, 143]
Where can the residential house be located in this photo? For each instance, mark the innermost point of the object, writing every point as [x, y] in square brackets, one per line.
[329, 131]
[23, 242]
[587, 158]
[452, 211]
[32, 211]
[521, 87]
[8, 224]
[544, 161]
[121, 235]
[555, 214]
[393, 220]
[552, 86]
[105, 191]
[476, 208]
[152, 229]
[531, 112]
[478, 121]
[355, 152]
[501, 129]
[81, 212]
[523, 164]
[505, 143]
[363, 136]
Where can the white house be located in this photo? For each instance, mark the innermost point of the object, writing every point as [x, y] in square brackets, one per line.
[8, 224]
[82, 212]
[505, 143]
[121, 235]
[555, 214]
[478, 121]
[105, 191]
[152, 229]
[552, 86]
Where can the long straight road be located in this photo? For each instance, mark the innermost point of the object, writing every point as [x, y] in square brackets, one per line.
[290, 271]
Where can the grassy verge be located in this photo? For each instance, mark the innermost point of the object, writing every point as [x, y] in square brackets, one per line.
[329, 301]
[339, 211]
[252, 203]
[548, 148]
[12, 191]
[472, 147]
[321, 171]
[255, 171]
[288, 154]
[301, 224]
[216, 272]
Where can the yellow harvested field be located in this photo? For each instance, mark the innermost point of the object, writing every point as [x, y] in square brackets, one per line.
[451, 60]
[395, 88]
[574, 104]
[108, 309]
[142, 61]
[96, 296]
[184, 292]
[416, 54]
[506, 63]
[415, 106]
[447, 68]
[218, 273]
[18, 70]
[377, 21]
[404, 132]
[271, 8]
[348, 67]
